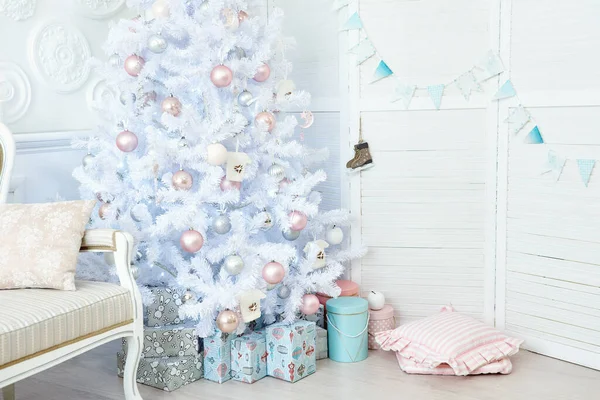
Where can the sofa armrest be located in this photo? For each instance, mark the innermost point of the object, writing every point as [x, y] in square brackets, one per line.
[99, 240]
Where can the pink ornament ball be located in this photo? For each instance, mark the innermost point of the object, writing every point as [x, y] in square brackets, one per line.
[191, 241]
[221, 76]
[298, 220]
[171, 105]
[242, 16]
[227, 321]
[182, 180]
[134, 65]
[265, 118]
[227, 185]
[262, 73]
[310, 304]
[273, 273]
[127, 141]
[104, 210]
[284, 183]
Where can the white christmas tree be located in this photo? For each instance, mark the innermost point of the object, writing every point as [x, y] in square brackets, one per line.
[198, 159]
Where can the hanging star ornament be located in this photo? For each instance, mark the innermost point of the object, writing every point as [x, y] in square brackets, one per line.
[517, 119]
[467, 83]
[364, 50]
[405, 93]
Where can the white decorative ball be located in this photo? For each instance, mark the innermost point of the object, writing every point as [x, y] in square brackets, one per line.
[115, 60]
[277, 172]
[221, 224]
[88, 159]
[376, 300]
[245, 99]
[233, 265]
[160, 9]
[334, 236]
[127, 98]
[217, 154]
[157, 44]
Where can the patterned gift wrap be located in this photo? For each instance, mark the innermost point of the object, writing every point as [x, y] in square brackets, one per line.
[249, 357]
[169, 341]
[164, 311]
[318, 318]
[321, 343]
[380, 320]
[217, 357]
[167, 373]
[292, 350]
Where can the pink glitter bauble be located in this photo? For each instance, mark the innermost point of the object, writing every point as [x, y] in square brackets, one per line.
[267, 119]
[171, 105]
[191, 241]
[182, 180]
[134, 65]
[127, 141]
[262, 73]
[221, 76]
[273, 273]
[229, 185]
[242, 16]
[310, 304]
[298, 220]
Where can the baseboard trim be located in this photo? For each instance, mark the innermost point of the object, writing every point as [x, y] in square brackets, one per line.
[44, 142]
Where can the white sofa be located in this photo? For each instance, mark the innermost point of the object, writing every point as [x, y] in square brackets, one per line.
[41, 328]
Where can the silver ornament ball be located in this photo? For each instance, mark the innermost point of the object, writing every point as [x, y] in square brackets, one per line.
[290, 235]
[115, 60]
[271, 286]
[188, 296]
[245, 99]
[284, 292]
[237, 52]
[233, 265]
[157, 44]
[88, 159]
[277, 172]
[221, 224]
[127, 98]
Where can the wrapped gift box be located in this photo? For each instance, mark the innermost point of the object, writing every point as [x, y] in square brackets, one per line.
[164, 311]
[217, 357]
[318, 318]
[169, 341]
[292, 350]
[167, 373]
[321, 343]
[249, 357]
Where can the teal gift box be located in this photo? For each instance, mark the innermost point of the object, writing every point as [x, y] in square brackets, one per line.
[249, 357]
[292, 350]
[217, 357]
[347, 325]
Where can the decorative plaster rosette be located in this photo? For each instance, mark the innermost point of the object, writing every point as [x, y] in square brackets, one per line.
[17, 9]
[99, 9]
[100, 92]
[15, 92]
[60, 54]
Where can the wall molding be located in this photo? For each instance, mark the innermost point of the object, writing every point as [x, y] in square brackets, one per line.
[44, 142]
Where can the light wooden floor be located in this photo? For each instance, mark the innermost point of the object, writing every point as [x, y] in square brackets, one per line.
[92, 376]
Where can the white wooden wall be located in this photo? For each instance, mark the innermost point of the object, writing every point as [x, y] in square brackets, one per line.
[455, 210]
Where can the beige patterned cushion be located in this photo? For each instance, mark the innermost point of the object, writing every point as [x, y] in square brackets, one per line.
[40, 243]
[34, 320]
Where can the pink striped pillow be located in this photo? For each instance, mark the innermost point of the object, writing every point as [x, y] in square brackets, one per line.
[504, 366]
[449, 338]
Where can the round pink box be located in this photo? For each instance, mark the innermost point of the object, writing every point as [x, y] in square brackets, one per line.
[380, 320]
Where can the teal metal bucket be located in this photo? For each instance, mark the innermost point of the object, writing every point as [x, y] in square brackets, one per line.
[348, 323]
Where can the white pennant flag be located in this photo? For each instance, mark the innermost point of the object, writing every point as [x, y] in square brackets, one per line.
[517, 119]
[491, 65]
[364, 50]
[404, 92]
[556, 164]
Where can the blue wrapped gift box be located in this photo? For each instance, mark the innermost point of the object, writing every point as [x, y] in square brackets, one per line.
[249, 357]
[217, 356]
[292, 350]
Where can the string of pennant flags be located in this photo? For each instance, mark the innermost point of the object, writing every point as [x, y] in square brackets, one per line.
[488, 67]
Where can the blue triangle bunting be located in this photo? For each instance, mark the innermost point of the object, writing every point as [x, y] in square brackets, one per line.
[382, 71]
[534, 137]
[585, 170]
[436, 92]
[353, 23]
[506, 91]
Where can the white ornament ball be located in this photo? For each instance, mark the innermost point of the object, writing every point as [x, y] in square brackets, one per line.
[290, 235]
[335, 236]
[277, 171]
[233, 265]
[376, 300]
[203, 7]
[157, 44]
[221, 224]
[137, 212]
[245, 99]
[115, 60]
[88, 159]
[217, 154]
[127, 98]
[160, 9]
